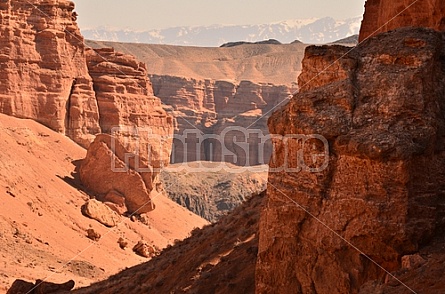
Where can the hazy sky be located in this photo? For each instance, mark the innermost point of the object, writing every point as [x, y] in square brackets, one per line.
[153, 14]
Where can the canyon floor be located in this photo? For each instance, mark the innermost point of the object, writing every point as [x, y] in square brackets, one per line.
[212, 189]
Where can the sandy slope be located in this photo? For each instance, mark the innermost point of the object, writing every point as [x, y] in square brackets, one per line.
[220, 258]
[42, 230]
[277, 64]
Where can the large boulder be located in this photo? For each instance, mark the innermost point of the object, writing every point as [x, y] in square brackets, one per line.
[108, 166]
[360, 180]
[100, 212]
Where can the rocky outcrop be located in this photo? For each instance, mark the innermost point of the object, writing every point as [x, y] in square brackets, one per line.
[100, 212]
[208, 110]
[372, 190]
[128, 109]
[385, 15]
[43, 73]
[110, 167]
[145, 250]
[122, 169]
[323, 65]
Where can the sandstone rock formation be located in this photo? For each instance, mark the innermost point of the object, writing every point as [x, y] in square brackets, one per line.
[222, 112]
[384, 15]
[110, 167]
[128, 109]
[100, 212]
[380, 196]
[140, 140]
[145, 250]
[43, 73]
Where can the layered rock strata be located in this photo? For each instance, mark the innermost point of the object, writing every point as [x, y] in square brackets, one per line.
[372, 190]
[123, 168]
[110, 168]
[219, 120]
[43, 73]
[128, 109]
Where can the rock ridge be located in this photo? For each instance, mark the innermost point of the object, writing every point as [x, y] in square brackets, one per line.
[381, 113]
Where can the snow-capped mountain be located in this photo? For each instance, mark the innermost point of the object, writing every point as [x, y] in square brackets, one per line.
[312, 31]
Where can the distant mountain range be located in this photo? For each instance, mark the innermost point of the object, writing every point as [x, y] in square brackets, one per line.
[311, 31]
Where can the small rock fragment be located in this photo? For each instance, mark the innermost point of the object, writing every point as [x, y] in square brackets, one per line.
[412, 261]
[145, 250]
[122, 243]
[93, 235]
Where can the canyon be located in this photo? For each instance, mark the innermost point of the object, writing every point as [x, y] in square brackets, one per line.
[221, 97]
[368, 222]
[354, 200]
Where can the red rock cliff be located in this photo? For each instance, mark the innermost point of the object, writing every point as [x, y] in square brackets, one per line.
[44, 76]
[214, 106]
[382, 187]
[43, 73]
[126, 101]
[141, 133]
[384, 15]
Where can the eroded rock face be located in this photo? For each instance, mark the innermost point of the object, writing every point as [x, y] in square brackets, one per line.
[109, 166]
[126, 163]
[43, 73]
[384, 15]
[204, 107]
[100, 212]
[382, 189]
[128, 109]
